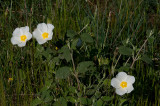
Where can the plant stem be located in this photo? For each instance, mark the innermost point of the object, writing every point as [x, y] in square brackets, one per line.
[113, 67]
[127, 61]
[117, 61]
[135, 59]
[83, 28]
[109, 20]
[26, 11]
[74, 69]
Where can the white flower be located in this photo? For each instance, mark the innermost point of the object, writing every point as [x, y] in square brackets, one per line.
[21, 36]
[123, 83]
[43, 33]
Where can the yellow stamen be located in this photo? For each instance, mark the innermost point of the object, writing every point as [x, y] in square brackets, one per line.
[45, 35]
[23, 38]
[10, 79]
[56, 48]
[123, 84]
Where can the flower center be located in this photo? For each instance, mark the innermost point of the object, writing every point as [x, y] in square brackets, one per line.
[23, 38]
[10, 79]
[45, 35]
[123, 84]
[56, 48]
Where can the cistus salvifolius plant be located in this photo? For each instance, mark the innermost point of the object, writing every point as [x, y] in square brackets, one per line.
[43, 33]
[123, 83]
[21, 36]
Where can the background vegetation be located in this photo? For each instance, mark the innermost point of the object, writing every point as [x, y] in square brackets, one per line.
[96, 39]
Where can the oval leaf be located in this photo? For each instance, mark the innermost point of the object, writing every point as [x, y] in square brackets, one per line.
[71, 33]
[85, 66]
[146, 59]
[36, 102]
[125, 50]
[63, 73]
[85, 37]
[65, 53]
[106, 98]
[74, 44]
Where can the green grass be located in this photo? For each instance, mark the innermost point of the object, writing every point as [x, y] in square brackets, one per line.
[115, 20]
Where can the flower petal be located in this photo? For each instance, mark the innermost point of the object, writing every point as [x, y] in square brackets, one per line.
[115, 83]
[130, 79]
[50, 27]
[24, 29]
[121, 91]
[41, 41]
[121, 76]
[42, 27]
[15, 40]
[16, 32]
[29, 35]
[129, 88]
[37, 34]
[22, 44]
[50, 36]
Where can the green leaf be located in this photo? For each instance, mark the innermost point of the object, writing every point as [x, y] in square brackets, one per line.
[71, 99]
[65, 53]
[90, 92]
[106, 98]
[83, 100]
[99, 102]
[48, 83]
[48, 98]
[85, 37]
[85, 66]
[79, 94]
[39, 48]
[72, 89]
[71, 33]
[151, 39]
[45, 94]
[124, 68]
[49, 50]
[22, 75]
[103, 61]
[74, 44]
[125, 50]
[107, 82]
[47, 55]
[61, 102]
[51, 66]
[146, 59]
[55, 60]
[150, 33]
[63, 72]
[97, 94]
[36, 102]
[125, 42]
[45, 88]
[122, 101]
[49, 21]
